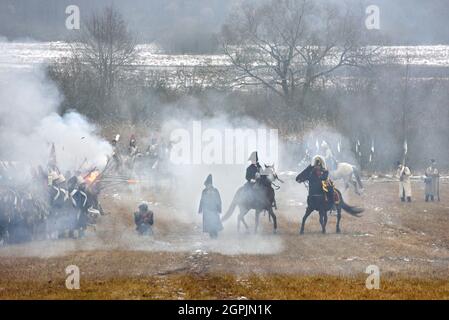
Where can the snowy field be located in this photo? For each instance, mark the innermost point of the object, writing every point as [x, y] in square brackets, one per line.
[28, 54]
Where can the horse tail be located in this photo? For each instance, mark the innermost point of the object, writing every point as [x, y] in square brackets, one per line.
[356, 172]
[354, 211]
[231, 209]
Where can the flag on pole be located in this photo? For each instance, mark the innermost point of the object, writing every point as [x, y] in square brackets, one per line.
[52, 156]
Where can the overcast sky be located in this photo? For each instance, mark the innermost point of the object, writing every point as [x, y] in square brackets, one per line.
[403, 21]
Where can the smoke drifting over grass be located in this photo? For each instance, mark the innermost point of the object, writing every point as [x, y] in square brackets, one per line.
[30, 123]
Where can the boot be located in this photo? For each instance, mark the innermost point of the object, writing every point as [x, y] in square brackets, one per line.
[409, 199]
[427, 198]
[432, 198]
[403, 199]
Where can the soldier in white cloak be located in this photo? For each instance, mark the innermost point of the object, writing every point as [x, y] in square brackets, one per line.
[329, 156]
[432, 181]
[405, 186]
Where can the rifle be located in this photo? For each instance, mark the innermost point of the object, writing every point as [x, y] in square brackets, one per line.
[438, 187]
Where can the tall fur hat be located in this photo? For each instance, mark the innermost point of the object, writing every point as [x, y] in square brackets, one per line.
[253, 157]
[321, 160]
[208, 180]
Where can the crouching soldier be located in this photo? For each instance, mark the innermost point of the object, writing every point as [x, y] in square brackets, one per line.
[210, 207]
[144, 220]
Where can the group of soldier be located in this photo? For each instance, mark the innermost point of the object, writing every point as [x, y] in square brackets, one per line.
[210, 205]
[48, 204]
[431, 181]
[126, 159]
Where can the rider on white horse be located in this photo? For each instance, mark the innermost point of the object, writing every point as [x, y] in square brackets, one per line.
[342, 170]
[329, 156]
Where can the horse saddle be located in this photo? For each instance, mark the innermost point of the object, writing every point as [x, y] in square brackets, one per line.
[326, 184]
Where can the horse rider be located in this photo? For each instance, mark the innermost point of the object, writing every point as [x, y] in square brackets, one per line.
[319, 181]
[432, 182]
[144, 220]
[253, 170]
[329, 156]
[405, 186]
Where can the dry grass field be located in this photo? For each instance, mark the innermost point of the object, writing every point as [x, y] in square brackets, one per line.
[409, 243]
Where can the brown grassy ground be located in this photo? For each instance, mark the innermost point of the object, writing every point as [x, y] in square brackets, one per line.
[229, 287]
[409, 243]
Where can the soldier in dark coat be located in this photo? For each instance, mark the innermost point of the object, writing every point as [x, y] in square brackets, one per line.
[144, 220]
[210, 208]
[253, 171]
[319, 179]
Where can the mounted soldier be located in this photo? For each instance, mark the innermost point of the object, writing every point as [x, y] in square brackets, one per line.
[257, 193]
[432, 181]
[323, 197]
[253, 170]
[329, 156]
[319, 181]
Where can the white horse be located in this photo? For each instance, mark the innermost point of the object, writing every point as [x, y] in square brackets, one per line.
[349, 174]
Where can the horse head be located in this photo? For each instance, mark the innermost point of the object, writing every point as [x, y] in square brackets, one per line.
[304, 175]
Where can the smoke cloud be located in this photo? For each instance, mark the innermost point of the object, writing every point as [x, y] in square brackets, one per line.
[30, 124]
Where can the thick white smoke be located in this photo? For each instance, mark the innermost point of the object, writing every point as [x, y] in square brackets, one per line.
[30, 124]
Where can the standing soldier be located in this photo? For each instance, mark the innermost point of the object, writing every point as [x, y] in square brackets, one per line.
[405, 186]
[210, 207]
[132, 149]
[432, 181]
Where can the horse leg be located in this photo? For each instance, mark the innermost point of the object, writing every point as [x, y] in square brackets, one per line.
[304, 219]
[257, 220]
[272, 215]
[356, 188]
[323, 216]
[338, 218]
[242, 219]
[346, 181]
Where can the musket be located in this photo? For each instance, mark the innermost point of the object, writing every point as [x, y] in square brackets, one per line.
[438, 187]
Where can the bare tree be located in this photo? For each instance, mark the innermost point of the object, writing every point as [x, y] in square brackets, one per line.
[287, 45]
[106, 47]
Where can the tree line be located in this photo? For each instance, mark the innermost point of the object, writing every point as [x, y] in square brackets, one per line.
[293, 65]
